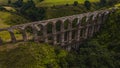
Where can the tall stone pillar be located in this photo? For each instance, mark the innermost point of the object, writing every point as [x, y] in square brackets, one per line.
[62, 35]
[95, 25]
[70, 32]
[54, 34]
[24, 35]
[45, 34]
[86, 32]
[92, 29]
[35, 37]
[100, 21]
[13, 38]
[78, 30]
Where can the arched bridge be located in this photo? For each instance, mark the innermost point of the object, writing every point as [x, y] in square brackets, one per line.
[60, 31]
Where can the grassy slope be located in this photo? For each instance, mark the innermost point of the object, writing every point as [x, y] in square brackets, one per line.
[51, 2]
[3, 17]
[6, 19]
[60, 2]
[30, 55]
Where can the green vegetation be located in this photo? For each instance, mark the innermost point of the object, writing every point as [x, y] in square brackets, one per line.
[31, 55]
[8, 19]
[50, 2]
[61, 2]
[87, 4]
[102, 51]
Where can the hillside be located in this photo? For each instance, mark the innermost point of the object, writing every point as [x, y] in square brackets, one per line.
[102, 51]
[51, 2]
[31, 55]
[61, 2]
[8, 19]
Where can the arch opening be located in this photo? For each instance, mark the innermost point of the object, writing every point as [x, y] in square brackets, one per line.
[66, 24]
[83, 21]
[90, 20]
[5, 36]
[58, 25]
[40, 33]
[75, 23]
[18, 35]
[49, 28]
[29, 32]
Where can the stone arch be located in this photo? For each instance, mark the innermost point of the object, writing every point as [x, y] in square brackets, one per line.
[49, 27]
[40, 33]
[75, 27]
[66, 24]
[90, 20]
[59, 24]
[75, 23]
[103, 16]
[83, 21]
[106, 14]
[83, 25]
[95, 18]
[29, 32]
[12, 35]
[59, 30]
[18, 34]
[66, 33]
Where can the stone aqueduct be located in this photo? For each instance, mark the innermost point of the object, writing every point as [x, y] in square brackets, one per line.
[61, 31]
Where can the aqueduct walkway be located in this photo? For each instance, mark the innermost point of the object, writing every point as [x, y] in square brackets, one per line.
[61, 31]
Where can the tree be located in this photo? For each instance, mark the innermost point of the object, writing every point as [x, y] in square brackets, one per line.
[9, 1]
[87, 4]
[32, 12]
[75, 3]
[112, 2]
[18, 3]
[40, 0]
[103, 2]
[2, 8]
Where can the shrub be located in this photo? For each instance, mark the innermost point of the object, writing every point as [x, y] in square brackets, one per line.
[2, 8]
[75, 3]
[87, 4]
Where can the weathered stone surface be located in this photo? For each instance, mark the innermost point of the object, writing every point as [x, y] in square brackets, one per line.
[92, 23]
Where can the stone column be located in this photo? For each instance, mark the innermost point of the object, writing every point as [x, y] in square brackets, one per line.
[78, 30]
[45, 34]
[24, 35]
[54, 34]
[78, 34]
[63, 34]
[99, 23]
[70, 32]
[86, 31]
[35, 37]
[13, 38]
[92, 29]
[95, 25]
